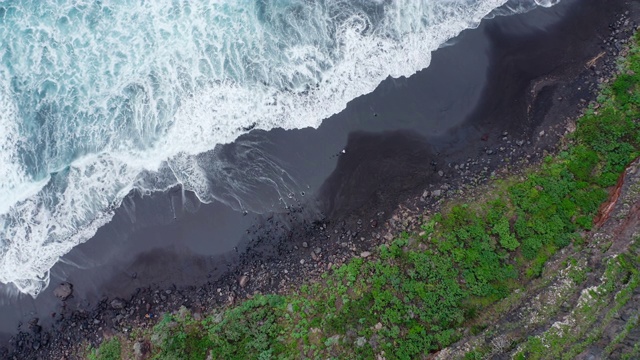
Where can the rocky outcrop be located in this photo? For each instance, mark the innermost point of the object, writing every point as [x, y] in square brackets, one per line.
[585, 305]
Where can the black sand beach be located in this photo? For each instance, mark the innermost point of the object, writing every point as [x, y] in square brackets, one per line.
[498, 95]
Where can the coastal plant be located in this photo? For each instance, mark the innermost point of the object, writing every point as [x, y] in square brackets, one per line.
[109, 350]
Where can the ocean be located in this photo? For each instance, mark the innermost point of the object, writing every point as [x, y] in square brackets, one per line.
[100, 98]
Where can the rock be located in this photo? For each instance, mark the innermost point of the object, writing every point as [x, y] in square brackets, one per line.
[541, 133]
[440, 173]
[137, 350]
[63, 291]
[436, 193]
[361, 341]
[520, 142]
[117, 304]
[365, 254]
[244, 279]
[378, 326]
[304, 244]
[317, 250]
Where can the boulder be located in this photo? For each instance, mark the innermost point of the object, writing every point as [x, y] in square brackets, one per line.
[63, 291]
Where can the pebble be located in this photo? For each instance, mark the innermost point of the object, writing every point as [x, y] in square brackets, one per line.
[243, 281]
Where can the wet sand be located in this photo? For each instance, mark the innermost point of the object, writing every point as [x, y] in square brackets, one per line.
[505, 76]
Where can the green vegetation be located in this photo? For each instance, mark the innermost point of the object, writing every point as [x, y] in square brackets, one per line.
[420, 291]
[596, 310]
[108, 350]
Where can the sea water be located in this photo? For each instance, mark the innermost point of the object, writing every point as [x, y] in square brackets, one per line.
[98, 98]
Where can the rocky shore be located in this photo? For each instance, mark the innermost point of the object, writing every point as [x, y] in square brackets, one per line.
[287, 249]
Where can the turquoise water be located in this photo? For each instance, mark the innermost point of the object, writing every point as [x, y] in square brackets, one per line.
[98, 98]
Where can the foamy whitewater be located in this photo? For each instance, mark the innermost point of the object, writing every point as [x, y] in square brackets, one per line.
[100, 98]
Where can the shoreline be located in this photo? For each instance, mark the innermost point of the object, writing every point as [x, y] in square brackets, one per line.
[276, 251]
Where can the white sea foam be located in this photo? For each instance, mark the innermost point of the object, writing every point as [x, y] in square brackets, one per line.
[97, 100]
[547, 3]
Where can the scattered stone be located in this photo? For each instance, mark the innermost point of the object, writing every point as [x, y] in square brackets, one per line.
[63, 291]
[440, 173]
[244, 279]
[304, 244]
[117, 304]
[541, 133]
[365, 254]
[361, 341]
[317, 250]
[519, 142]
[436, 193]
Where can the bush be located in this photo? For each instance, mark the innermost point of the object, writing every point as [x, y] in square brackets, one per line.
[108, 350]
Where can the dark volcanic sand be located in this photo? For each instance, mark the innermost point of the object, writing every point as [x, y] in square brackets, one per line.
[444, 125]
